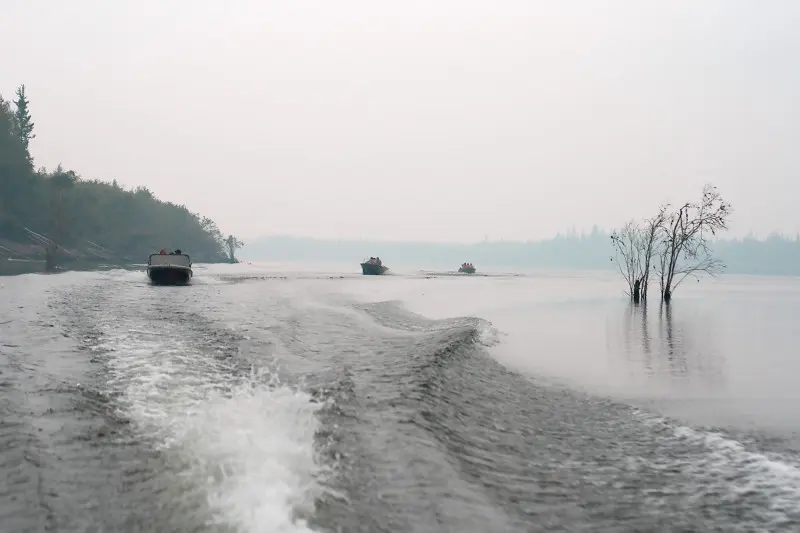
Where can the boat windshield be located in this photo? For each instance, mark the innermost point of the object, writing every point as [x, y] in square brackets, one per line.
[182, 260]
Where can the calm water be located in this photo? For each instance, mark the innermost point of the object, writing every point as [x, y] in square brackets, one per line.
[285, 398]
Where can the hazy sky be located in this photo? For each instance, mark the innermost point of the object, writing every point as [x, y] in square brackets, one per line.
[436, 120]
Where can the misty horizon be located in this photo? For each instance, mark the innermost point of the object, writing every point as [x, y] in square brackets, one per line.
[445, 122]
[776, 255]
[571, 233]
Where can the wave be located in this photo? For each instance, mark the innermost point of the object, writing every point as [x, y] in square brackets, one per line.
[456, 274]
[240, 445]
[252, 407]
[520, 450]
[735, 474]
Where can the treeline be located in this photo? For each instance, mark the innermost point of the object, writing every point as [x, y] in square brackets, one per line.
[571, 251]
[88, 219]
[775, 255]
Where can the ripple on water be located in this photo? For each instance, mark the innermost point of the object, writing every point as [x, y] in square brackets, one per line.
[382, 420]
[247, 440]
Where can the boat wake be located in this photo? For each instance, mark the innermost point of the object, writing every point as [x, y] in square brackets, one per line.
[236, 447]
[256, 405]
[456, 274]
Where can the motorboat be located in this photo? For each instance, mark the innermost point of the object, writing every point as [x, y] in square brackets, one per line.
[373, 267]
[169, 269]
[467, 268]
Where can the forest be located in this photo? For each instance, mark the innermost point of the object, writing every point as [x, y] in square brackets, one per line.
[57, 211]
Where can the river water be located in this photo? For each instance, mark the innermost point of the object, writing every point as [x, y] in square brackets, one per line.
[287, 398]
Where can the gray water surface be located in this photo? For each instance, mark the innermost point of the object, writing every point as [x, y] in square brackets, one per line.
[267, 399]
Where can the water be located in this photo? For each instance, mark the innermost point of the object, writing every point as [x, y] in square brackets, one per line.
[280, 398]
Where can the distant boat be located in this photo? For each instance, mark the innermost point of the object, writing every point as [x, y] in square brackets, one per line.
[373, 267]
[169, 269]
[467, 268]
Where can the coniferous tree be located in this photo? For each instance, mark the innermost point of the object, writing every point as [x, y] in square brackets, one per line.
[85, 218]
[24, 121]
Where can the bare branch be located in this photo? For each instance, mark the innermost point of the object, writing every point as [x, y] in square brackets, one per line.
[627, 244]
[708, 265]
[685, 234]
[635, 246]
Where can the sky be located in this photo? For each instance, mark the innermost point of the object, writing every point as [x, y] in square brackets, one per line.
[418, 120]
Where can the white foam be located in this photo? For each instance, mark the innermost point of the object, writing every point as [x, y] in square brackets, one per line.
[739, 471]
[251, 444]
[140, 276]
[204, 279]
[489, 335]
[258, 444]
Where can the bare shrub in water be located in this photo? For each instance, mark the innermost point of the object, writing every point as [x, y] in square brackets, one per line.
[675, 244]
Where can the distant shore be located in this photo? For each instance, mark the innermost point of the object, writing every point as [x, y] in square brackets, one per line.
[774, 256]
[15, 267]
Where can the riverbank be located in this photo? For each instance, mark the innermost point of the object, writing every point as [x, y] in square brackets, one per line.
[15, 267]
[16, 258]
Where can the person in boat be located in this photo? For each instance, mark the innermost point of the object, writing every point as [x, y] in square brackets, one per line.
[178, 251]
[378, 261]
[162, 252]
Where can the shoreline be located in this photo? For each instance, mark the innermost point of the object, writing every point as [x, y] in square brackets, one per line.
[18, 267]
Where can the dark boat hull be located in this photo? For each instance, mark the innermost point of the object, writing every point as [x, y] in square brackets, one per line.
[371, 269]
[169, 275]
[467, 270]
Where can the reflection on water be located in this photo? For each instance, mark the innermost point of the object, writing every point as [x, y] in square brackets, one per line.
[674, 347]
[675, 355]
[646, 348]
[729, 342]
